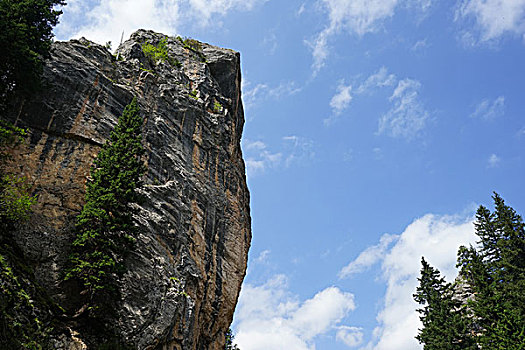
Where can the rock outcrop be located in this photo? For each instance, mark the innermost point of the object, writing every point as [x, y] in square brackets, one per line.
[184, 274]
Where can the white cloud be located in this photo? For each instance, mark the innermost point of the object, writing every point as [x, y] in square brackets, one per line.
[408, 117]
[351, 336]
[103, 21]
[356, 17]
[492, 19]
[493, 161]
[368, 257]
[488, 109]
[437, 238]
[270, 318]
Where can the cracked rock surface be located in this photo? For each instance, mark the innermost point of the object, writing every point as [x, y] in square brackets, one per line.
[195, 224]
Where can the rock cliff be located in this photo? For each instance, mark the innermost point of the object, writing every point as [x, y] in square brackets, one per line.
[184, 274]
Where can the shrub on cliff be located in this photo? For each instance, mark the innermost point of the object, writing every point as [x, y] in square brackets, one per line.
[25, 38]
[15, 200]
[105, 226]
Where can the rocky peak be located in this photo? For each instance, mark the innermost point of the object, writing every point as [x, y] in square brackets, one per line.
[184, 275]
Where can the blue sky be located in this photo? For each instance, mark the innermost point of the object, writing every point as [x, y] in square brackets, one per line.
[373, 131]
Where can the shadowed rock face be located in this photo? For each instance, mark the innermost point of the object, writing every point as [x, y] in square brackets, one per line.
[195, 224]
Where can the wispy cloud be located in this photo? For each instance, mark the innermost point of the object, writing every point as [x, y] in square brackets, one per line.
[408, 117]
[369, 257]
[435, 237]
[356, 17]
[486, 21]
[490, 109]
[103, 21]
[379, 79]
[269, 317]
[294, 150]
[342, 98]
[493, 161]
[420, 45]
[263, 257]
[253, 95]
[339, 102]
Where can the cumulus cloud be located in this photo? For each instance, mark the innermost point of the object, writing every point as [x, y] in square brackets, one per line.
[408, 117]
[369, 257]
[489, 20]
[490, 109]
[351, 336]
[270, 318]
[437, 238]
[103, 21]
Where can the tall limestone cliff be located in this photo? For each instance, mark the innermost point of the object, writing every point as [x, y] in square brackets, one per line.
[195, 222]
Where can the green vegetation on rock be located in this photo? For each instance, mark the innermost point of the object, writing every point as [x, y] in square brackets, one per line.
[105, 227]
[160, 53]
[15, 200]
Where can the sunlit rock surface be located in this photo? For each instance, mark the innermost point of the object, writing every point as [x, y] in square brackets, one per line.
[195, 224]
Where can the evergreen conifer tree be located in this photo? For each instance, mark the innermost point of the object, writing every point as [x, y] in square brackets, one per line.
[493, 317]
[105, 226]
[25, 38]
[443, 325]
[496, 274]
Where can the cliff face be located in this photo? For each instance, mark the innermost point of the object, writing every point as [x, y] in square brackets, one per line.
[195, 224]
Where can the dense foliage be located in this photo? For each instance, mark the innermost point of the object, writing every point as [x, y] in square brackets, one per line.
[493, 317]
[105, 226]
[25, 38]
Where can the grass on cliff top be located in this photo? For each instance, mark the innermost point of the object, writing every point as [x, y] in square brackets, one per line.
[159, 53]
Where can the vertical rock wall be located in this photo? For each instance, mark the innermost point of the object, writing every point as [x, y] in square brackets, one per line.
[195, 225]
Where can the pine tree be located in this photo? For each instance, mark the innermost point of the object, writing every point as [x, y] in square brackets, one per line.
[25, 38]
[441, 316]
[229, 341]
[493, 317]
[105, 226]
[497, 276]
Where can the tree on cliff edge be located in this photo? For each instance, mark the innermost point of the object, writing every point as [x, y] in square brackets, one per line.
[105, 226]
[25, 39]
